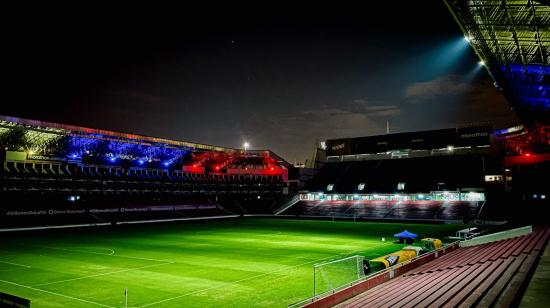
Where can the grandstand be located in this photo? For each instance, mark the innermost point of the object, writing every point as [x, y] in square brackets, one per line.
[372, 176]
[429, 175]
[55, 174]
[474, 182]
[484, 275]
[398, 210]
[506, 167]
[416, 174]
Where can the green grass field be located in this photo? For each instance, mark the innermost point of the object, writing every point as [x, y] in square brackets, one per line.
[231, 263]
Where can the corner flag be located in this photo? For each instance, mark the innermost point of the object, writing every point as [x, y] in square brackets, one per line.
[126, 297]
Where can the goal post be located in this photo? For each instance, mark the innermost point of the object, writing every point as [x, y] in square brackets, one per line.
[337, 273]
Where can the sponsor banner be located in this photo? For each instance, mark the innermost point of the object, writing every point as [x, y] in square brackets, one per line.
[396, 257]
[134, 209]
[26, 213]
[54, 212]
[8, 300]
[111, 210]
[15, 156]
[45, 212]
[46, 158]
[104, 210]
[161, 208]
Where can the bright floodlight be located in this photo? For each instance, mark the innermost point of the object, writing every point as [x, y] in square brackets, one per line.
[481, 63]
[246, 145]
[450, 148]
[467, 39]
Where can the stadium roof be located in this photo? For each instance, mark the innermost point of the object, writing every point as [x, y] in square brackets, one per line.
[512, 39]
[42, 127]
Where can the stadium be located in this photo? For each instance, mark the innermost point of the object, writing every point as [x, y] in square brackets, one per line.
[453, 217]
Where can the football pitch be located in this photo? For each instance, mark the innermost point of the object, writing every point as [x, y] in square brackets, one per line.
[231, 263]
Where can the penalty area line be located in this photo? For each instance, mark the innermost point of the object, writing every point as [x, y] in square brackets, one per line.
[103, 274]
[112, 254]
[285, 268]
[56, 294]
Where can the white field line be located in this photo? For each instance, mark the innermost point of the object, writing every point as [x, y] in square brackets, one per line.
[111, 251]
[16, 264]
[57, 294]
[102, 274]
[54, 227]
[286, 268]
[106, 254]
[119, 223]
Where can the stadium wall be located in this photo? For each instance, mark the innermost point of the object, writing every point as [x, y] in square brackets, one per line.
[497, 236]
[422, 140]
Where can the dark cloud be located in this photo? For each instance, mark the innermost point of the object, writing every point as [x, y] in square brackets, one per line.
[447, 85]
[295, 133]
[377, 109]
[465, 100]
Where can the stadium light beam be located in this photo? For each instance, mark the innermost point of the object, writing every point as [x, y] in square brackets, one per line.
[442, 58]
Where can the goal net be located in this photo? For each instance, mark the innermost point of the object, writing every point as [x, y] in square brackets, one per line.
[335, 274]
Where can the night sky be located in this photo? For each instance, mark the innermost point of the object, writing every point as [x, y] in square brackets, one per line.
[279, 76]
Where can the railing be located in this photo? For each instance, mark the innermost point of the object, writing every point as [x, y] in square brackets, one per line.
[503, 235]
[407, 154]
[295, 199]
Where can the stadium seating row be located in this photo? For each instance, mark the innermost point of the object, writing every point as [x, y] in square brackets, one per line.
[418, 209]
[12, 170]
[479, 276]
[99, 180]
[58, 186]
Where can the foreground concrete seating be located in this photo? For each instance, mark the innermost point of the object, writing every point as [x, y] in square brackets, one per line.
[479, 276]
